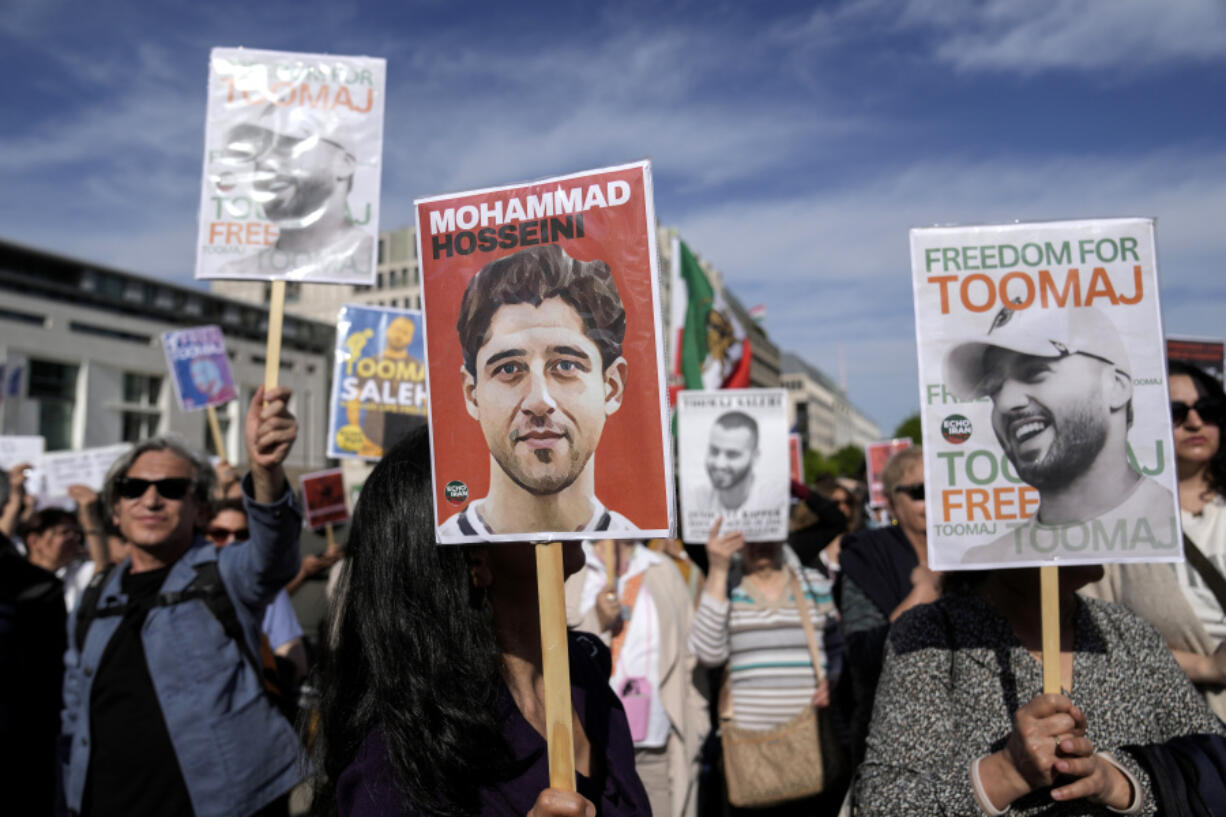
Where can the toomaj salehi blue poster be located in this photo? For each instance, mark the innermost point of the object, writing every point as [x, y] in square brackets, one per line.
[379, 386]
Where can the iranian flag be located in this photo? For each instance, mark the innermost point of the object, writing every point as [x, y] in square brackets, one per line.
[711, 349]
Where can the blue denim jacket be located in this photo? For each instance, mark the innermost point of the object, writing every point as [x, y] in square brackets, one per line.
[236, 751]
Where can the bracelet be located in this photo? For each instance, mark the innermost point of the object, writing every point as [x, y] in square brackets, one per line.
[981, 796]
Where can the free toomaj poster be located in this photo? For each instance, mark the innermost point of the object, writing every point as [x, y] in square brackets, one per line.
[379, 384]
[1047, 430]
[292, 158]
[543, 339]
[732, 452]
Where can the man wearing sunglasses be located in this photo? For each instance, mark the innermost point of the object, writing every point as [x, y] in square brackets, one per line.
[301, 175]
[1061, 389]
[164, 713]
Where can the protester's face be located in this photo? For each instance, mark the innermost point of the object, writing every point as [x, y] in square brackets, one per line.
[909, 512]
[1049, 414]
[762, 556]
[151, 520]
[731, 454]
[227, 527]
[540, 395]
[1196, 441]
[57, 545]
[844, 500]
[295, 178]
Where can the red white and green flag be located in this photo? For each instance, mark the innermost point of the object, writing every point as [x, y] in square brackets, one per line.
[711, 349]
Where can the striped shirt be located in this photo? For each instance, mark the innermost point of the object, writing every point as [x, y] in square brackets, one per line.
[764, 644]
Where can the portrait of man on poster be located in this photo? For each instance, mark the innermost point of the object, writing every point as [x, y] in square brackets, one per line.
[541, 335]
[1062, 405]
[301, 173]
[731, 455]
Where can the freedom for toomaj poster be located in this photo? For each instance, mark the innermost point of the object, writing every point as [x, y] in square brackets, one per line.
[1046, 421]
[199, 367]
[732, 454]
[379, 384]
[292, 160]
[543, 338]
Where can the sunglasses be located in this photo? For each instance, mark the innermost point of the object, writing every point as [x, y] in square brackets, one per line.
[222, 535]
[169, 488]
[914, 490]
[1211, 412]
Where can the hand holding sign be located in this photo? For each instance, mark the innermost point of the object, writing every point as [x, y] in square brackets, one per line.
[270, 432]
[721, 547]
[560, 803]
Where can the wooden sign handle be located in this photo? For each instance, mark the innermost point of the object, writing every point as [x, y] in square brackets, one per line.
[1049, 591]
[555, 666]
[276, 315]
[610, 563]
[219, 442]
[328, 535]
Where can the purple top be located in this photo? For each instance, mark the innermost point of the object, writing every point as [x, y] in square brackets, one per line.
[367, 787]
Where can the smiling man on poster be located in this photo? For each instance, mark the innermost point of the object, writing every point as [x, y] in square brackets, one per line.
[541, 335]
[1061, 391]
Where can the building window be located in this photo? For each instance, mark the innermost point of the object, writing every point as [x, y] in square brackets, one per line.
[141, 389]
[382, 250]
[54, 386]
[140, 415]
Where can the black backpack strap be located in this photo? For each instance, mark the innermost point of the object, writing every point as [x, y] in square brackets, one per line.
[87, 606]
[208, 587]
[1210, 574]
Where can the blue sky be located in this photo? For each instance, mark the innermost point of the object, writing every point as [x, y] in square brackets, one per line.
[793, 144]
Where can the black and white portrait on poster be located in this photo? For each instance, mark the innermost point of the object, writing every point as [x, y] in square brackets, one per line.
[293, 152]
[733, 460]
[1047, 428]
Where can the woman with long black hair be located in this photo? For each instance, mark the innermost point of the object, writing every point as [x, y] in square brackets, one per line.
[1185, 600]
[433, 698]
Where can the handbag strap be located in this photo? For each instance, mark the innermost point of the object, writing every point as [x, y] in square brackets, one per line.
[630, 595]
[806, 622]
[1211, 575]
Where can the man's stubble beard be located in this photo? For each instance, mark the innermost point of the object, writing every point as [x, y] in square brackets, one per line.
[1076, 443]
[547, 485]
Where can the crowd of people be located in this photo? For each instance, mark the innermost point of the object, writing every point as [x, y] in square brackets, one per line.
[151, 662]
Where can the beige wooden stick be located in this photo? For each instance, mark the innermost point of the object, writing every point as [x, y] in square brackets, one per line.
[609, 554]
[329, 537]
[555, 665]
[1049, 591]
[276, 313]
[219, 442]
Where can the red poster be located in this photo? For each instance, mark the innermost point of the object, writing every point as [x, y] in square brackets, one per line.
[323, 498]
[878, 454]
[543, 341]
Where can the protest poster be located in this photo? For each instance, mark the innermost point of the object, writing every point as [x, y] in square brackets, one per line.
[1206, 354]
[796, 458]
[323, 498]
[18, 448]
[379, 381]
[732, 455]
[876, 456]
[1045, 414]
[292, 163]
[543, 339]
[199, 367]
[60, 469]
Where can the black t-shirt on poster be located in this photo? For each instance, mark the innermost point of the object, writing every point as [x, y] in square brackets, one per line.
[133, 770]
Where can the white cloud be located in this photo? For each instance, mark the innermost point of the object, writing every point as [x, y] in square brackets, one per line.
[1083, 35]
